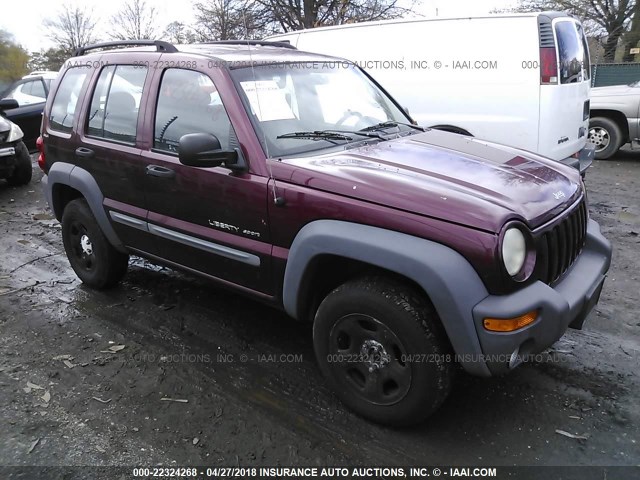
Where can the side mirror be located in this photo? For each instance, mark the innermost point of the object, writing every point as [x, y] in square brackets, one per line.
[204, 150]
[8, 104]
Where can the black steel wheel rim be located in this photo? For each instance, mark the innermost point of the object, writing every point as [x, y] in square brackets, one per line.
[82, 246]
[368, 360]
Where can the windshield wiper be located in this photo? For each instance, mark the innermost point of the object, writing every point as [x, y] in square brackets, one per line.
[391, 123]
[316, 135]
[330, 135]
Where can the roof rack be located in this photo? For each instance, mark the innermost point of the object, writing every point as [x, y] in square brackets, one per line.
[159, 44]
[263, 43]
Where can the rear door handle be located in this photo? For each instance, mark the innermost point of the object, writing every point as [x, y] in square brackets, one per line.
[84, 152]
[158, 171]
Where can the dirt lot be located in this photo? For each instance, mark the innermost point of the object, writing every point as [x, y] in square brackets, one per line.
[207, 377]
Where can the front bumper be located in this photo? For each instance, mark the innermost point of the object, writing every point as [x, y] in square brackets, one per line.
[584, 159]
[567, 303]
[7, 160]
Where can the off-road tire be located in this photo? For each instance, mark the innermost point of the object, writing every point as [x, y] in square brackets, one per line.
[96, 262]
[23, 170]
[358, 316]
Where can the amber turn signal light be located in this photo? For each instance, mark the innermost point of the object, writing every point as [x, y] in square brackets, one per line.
[510, 324]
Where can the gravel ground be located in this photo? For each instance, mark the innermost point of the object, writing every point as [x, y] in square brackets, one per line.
[167, 369]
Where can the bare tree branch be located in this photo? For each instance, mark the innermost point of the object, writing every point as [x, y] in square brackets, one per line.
[134, 21]
[73, 27]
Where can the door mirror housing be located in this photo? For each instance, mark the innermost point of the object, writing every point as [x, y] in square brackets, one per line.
[204, 150]
[8, 104]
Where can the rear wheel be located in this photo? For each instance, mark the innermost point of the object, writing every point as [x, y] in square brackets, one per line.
[606, 135]
[90, 254]
[382, 349]
[23, 171]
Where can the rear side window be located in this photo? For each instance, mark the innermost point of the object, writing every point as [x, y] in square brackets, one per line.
[115, 103]
[27, 92]
[36, 88]
[63, 108]
[571, 51]
[188, 102]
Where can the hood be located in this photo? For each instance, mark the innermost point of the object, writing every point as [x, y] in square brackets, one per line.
[613, 90]
[5, 124]
[447, 176]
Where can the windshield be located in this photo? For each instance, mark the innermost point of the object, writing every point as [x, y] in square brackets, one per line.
[283, 99]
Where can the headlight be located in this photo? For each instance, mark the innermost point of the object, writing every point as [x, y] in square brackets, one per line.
[514, 250]
[15, 133]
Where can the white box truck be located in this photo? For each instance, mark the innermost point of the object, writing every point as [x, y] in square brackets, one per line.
[521, 80]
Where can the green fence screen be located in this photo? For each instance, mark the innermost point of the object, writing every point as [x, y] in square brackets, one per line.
[606, 74]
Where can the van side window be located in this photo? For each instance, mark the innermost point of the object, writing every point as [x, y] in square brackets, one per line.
[188, 102]
[585, 49]
[64, 104]
[115, 104]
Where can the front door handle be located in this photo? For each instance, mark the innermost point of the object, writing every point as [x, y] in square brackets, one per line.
[84, 152]
[158, 171]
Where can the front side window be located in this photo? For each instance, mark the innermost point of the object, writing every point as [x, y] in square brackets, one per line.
[188, 102]
[63, 108]
[115, 103]
[314, 97]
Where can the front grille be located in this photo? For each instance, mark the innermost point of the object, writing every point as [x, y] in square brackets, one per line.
[563, 243]
[3, 137]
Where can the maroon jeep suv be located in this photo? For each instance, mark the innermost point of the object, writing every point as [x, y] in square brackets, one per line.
[294, 178]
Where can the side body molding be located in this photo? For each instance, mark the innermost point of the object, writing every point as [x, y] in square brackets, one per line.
[78, 178]
[450, 281]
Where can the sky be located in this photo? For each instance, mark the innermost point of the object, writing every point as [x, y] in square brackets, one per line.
[24, 18]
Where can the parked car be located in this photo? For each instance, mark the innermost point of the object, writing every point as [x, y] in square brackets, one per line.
[520, 80]
[614, 118]
[295, 179]
[15, 161]
[30, 93]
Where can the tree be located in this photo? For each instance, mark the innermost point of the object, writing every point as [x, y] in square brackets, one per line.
[301, 14]
[231, 19]
[178, 32]
[73, 27]
[51, 59]
[134, 21]
[13, 60]
[606, 19]
[632, 37]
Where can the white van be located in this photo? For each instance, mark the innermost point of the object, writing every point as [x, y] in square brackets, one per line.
[521, 80]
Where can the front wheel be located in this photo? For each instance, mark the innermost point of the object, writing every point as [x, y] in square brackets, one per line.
[23, 170]
[382, 349]
[90, 254]
[606, 135]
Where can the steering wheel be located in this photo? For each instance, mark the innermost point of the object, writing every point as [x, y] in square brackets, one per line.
[347, 115]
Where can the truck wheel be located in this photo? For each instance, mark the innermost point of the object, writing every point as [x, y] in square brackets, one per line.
[382, 349]
[22, 172]
[605, 134]
[92, 257]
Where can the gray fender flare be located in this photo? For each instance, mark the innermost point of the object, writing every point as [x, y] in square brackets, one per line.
[449, 280]
[79, 179]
